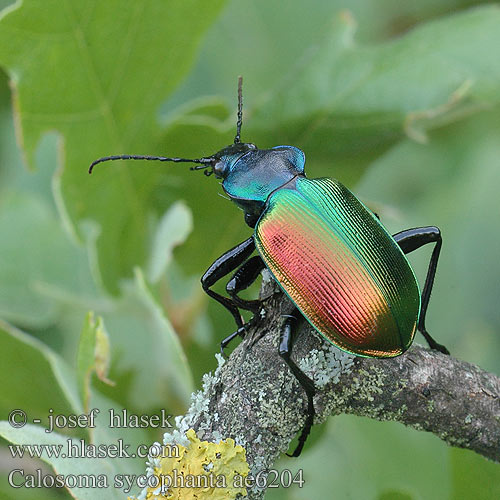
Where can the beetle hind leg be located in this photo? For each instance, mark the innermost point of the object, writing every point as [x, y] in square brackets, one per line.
[410, 240]
[285, 349]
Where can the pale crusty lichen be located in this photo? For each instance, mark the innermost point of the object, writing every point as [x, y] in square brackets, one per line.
[327, 365]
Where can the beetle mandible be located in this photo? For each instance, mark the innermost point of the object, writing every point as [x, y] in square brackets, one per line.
[345, 274]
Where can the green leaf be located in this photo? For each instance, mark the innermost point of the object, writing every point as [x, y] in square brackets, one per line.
[9, 493]
[116, 62]
[348, 98]
[93, 355]
[13, 174]
[99, 468]
[54, 385]
[394, 495]
[54, 388]
[474, 476]
[173, 229]
[148, 348]
[32, 273]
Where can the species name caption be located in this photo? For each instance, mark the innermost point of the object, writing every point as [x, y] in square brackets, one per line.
[163, 483]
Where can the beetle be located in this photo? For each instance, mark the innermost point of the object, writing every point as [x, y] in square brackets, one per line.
[342, 270]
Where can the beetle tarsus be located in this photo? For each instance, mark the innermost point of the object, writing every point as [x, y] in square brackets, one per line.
[433, 344]
[240, 332]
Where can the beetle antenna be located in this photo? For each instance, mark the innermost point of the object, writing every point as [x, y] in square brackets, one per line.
[204, 162]
[240, 110]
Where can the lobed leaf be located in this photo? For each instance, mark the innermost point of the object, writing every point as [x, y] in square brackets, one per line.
[97, 72]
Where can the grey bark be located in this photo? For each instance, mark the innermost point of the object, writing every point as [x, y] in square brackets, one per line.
[254, 398]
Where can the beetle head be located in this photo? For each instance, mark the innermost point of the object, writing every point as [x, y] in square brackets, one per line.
[228, 156]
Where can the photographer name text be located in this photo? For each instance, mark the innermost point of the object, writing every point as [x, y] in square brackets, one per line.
[117, 419]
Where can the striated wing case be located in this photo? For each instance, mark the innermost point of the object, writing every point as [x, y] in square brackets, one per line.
[340, 266]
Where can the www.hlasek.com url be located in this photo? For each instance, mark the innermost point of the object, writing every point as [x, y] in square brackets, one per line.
[81, 449]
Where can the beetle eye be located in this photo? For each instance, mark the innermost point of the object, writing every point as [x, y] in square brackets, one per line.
[220, 169]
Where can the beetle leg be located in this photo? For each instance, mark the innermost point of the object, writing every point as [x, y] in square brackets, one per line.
[285, 349]
[225, 342]
[410, 240]
[225, 264]
[242, 279]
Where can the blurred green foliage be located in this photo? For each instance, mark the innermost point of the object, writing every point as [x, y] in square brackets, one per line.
[399, 100]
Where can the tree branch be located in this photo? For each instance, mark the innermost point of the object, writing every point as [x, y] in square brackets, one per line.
[255, 399]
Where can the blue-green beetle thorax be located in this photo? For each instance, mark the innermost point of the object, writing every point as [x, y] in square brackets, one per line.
[251, 175]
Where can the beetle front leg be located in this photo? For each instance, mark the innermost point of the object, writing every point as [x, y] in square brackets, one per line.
[285, 350]
[410, 240]
[225, 264]
[242, 279]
